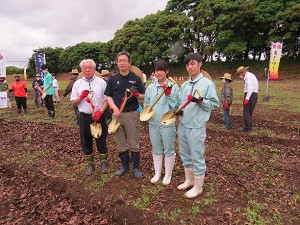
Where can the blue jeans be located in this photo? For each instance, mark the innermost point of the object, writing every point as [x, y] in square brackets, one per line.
[226, 118]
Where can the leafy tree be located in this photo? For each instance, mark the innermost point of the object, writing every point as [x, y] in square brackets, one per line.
[287, 30]
[14, 70]
[52, 59]
[155, 36]
[98, 51]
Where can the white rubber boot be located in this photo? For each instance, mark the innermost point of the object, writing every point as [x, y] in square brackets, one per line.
[189, 179]
[197, 189]
[157, 161]
[169, 165]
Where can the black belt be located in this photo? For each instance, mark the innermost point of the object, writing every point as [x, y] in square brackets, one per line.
[129, 110]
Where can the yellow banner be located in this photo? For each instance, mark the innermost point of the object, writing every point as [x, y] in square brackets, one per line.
[276, 50]
[25, 74]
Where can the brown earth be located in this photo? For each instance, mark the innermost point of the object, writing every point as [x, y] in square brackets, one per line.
[250, 176]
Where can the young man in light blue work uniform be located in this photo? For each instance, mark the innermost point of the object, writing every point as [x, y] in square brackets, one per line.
[162, 136]
[192, 125]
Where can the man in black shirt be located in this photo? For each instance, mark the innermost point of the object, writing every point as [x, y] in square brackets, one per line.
[37, 85]
[129, 131]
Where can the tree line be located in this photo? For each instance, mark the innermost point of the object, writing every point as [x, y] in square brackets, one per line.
[226, 30]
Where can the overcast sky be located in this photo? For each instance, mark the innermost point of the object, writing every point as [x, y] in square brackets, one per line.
[31, 24]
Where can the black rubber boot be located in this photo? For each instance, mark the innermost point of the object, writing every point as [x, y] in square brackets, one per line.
[103, 161]
[19, 111]
[125, 163]
[52, 114]
[136, 163]
[49, 115]
[91, 165]
[25, 111]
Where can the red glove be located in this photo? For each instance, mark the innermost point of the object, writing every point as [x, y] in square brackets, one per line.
[97, 115]
[246, 101]
[84, 94]
[88, 100]
[226, 105]
[123, 99]
[194, 99]
[136, 94]
[180, 113]
[134, 91]
[167, 90]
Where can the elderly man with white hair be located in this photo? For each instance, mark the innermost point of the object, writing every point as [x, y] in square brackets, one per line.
[88, 95]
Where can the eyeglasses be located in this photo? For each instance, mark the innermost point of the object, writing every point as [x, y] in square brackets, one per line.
[122, 60]
[87, 67]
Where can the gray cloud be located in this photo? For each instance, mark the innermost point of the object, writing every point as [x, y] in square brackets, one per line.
[31, 24]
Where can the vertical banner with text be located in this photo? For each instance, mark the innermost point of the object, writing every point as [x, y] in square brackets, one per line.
[3, 94]
[276, 50]
[39, 59]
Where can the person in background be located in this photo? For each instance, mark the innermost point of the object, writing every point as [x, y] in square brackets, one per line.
[250, 96]
[162, 136]
[88, 94]
[20, 91]
[69, 87]
[37, 86]
[153, 78]
[56, 90]
[105, 75]
[48, 88]
[144, 79]
[3, 84]
[3, 88]
[129, 131]
[192, 124]
[226, 99]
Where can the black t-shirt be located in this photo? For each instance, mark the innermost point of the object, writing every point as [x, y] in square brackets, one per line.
[116, 86]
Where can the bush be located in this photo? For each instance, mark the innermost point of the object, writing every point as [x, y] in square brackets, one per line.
[14, 70]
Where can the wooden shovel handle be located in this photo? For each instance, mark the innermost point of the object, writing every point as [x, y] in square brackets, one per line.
[157, 99]
[91, 102]
[188, 102]
[162, 93]
[125, 100]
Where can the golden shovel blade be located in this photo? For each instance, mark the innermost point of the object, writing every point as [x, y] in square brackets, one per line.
[146, 113]
[44, 95]
[96, 130]
[113, 126]
[168, 118]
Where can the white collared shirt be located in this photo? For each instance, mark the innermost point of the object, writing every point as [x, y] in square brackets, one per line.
[98, 86]
[251, 84]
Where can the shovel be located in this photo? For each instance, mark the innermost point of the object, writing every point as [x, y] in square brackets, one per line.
[115, 124]
[170, 117]
[148, 111]
[266, 98]
[96, 128]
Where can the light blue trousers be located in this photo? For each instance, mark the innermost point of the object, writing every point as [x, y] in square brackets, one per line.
[162, 137]
[191, 148]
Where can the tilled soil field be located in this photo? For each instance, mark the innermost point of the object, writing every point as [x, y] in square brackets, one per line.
[252, 178]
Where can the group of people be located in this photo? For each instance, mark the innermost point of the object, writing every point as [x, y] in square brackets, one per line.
[43, 92]
[197, 97]
[250, 97]
[94, 97]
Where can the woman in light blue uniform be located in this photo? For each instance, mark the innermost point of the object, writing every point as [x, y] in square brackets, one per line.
[162, 137]
[192, 125]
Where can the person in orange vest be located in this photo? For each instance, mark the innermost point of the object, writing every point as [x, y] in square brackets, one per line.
[20, 91]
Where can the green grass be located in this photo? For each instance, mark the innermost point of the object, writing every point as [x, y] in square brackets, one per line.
[173, 215]
[255, 214]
